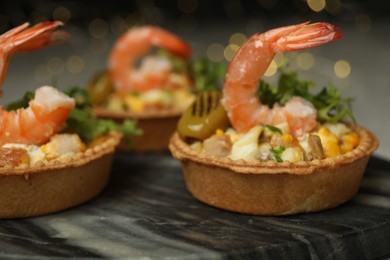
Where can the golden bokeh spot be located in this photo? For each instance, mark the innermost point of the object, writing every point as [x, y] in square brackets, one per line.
[98, 28]
[229, 51]
[280, 60]
[333, 7]
[305, 60]
[215, 52]
[363, 23]
[316, 5]
[75, 64]
[342, 69]
[237, 39]
[62, 14]
[272, 69]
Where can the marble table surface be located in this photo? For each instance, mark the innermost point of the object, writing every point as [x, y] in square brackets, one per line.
[147, 213]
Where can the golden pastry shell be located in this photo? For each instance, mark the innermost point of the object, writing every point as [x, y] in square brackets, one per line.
[272, 188]
[46, 188]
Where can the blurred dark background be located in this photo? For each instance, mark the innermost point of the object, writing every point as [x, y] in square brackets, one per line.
[358, 63]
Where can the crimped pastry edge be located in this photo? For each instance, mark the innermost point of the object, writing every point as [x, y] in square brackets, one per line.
[368, 144]
[92, 153]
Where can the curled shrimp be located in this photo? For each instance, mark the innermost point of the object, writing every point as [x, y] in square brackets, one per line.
[49, 109]
[154, 72]
[249, 64]
[43, 118]
[21, 39]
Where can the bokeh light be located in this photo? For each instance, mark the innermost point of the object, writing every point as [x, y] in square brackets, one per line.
[229, 51]
[272, 69]
[215, 52]
[342, 69]
[280, 60]
[237, 39]
[62, 14]
[363, 23]
[305, 60]
[316, 5]
[333, 7]
[75, 64]
[98, 28]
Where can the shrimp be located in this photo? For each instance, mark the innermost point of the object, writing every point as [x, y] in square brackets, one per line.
[249, 64]
[154, 72]
[43, 118]
[21, 39]
[49, 109]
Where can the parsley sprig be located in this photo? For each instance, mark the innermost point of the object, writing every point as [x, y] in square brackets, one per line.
[330, 105]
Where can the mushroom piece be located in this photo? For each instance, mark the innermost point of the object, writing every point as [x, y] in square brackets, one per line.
[218, 145]
[316, 150]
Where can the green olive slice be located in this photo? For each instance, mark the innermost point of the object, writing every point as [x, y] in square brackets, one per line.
[203, 117]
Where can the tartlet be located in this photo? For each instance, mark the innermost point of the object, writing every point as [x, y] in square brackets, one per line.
[274, 188]
[152, 79]
[46, 188]
[284, 150]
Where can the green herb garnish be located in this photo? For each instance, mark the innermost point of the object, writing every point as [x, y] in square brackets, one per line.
[21, 103]
[208, 75]
[274, 129]
[277, 152]
[87, 126]
[331, 107]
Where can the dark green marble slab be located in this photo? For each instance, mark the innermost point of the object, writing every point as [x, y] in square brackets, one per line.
[147, 213]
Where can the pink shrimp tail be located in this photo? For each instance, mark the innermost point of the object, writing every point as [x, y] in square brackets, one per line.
[305, 36]
[252, 60]
[21, 39]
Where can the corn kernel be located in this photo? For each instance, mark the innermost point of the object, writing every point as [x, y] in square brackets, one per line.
[287, 138]
[349, 141]
[330, 142]
[134, 103]
[219, 132]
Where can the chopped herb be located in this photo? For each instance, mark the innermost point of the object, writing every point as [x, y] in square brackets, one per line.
[331, 107]
[21, 103]
[277, 152]
[87, 126]
[274, 129]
